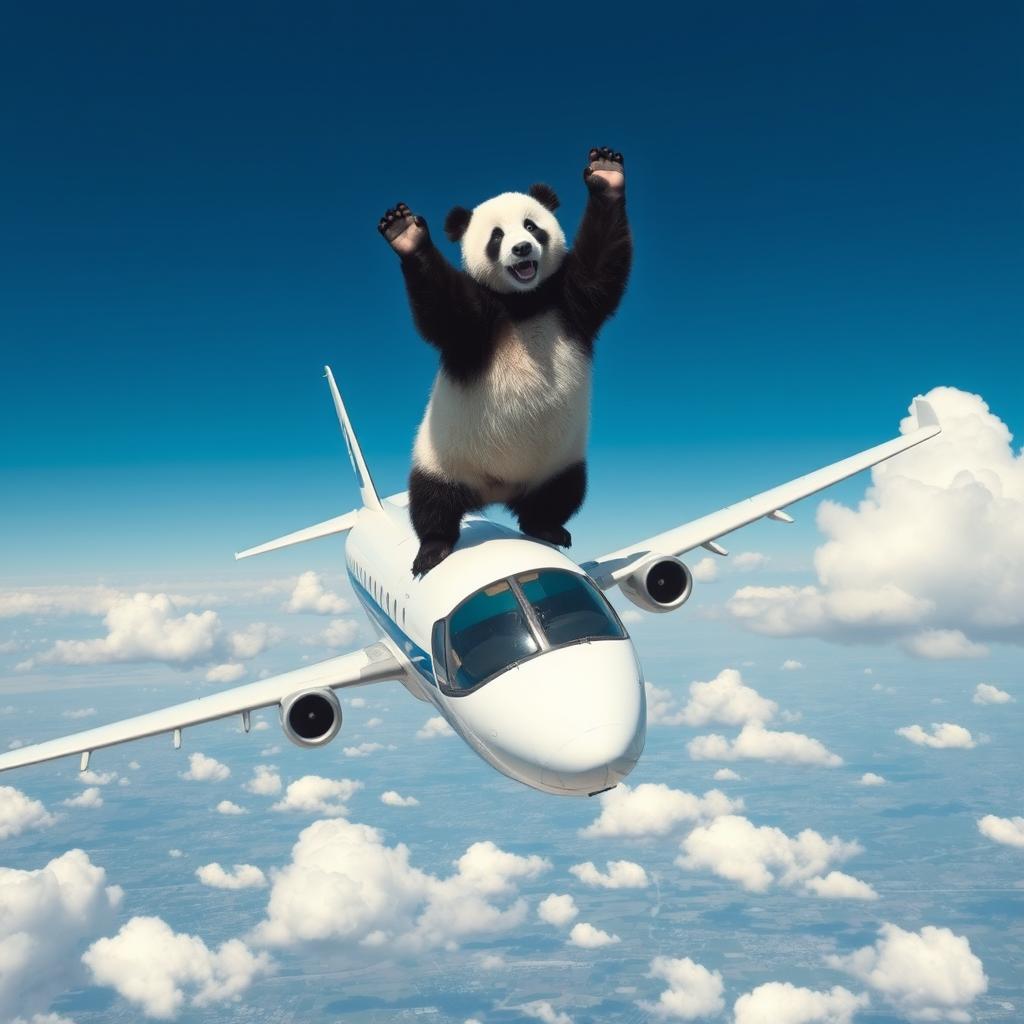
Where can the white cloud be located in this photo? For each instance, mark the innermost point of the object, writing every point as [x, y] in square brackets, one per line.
[157, 968]
[756, 743]
[839, 886]
[313, 794]
[79, 713]
[586, 936]
[659, 706]
[309, 595]
[358, 702]
[693, 991]
[228, 807]
[205, 769]
[621, 874]
[264, 782]
[254, 639]
[986, 693]
[19, 813]
[944, 735]
[943, 645]
[792, 665]
[879, 577]
[782, 1003]
[930, 975]
[244, 876]
[871, 779]
[374, 722]
[726, 775]
[48, 915]
[1009, 831]
[49, 601]
[434, 727]
[91, 798]
[728, 700]
[363, 750]
[558, 910]
[344, 884]
[732, 847]
[229, 672]
[339, 633]
[747, 560]
[175, 854]
[705, 571]
[393, 799]
[544, 1012]
[654, 809]
[43, 1018]
[91, 778]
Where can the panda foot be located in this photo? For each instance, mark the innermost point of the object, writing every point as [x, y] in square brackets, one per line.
[604, 172]
[432, 553]
[557, 535]
[404, 230]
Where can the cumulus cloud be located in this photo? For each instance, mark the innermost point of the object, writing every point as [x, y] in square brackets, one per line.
[309, 595]
[254, 639]
[78, 713]
[313, 794]
[930, 975]
[726, 775]
[345, 884]
[90, 798]
[933, 555]
[792, 665]
[434, 727]
[393, 799]
[558, 910]
[839, 886]
[339, 633]
[229, 672]
[756, 857]
[654, 809]
[363, 750]
[50, 601]
[944, 736]
[543, 1011]
[705, 571]
[693, 991]
[19, 813]
[264, 782]
[91, 778]
[1009, 831]
[586, 936]
[229, 807]
[205, 769]
[726, 699]
[986, 693]
[244, 876]
[782, 1003]
[157, 969]
[871, 779]
[756, 743]
[48, 915]
[747, 560]
[621, 874]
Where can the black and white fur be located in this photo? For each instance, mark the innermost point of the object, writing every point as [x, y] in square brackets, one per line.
[509, 412]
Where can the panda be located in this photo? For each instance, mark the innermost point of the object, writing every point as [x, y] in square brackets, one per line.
[508, 415]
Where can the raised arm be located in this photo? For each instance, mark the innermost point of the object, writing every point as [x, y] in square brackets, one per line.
[451, 311]
[597, 268]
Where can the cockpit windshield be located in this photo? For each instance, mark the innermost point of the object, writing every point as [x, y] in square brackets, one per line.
[515, 619]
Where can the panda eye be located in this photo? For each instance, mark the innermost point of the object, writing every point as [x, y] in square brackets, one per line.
[497, 234]
[529, 225]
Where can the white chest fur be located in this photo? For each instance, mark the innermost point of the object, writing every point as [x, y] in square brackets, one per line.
[523, 420]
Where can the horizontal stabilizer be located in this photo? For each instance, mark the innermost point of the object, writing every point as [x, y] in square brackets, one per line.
[339, 524]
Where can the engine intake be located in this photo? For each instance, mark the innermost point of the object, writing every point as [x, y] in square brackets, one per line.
[659, 585]
[311, 718]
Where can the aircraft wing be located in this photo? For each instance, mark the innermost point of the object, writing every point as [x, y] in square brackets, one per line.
[370, 665]
[609, 570]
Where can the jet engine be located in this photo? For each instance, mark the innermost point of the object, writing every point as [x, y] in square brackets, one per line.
[659, 585]
[311, 718]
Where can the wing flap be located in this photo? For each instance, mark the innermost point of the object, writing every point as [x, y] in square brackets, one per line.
[372, 664]
[610, 569]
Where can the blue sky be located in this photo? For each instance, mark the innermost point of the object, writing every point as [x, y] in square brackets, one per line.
[827, 216]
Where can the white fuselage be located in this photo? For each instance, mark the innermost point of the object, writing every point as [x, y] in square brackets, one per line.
[569, 721]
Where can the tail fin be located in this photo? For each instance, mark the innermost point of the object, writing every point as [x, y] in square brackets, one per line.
[366, 488]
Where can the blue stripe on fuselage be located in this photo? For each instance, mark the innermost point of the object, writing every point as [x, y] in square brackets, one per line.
[417, 656]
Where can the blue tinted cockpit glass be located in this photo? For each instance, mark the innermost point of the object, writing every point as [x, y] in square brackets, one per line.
[487, 634]
[569, 607]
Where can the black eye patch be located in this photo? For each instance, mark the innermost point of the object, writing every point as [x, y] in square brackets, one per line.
[494, 244]
[539, 233]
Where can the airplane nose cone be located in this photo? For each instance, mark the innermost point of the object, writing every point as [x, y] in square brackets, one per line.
[597, 758]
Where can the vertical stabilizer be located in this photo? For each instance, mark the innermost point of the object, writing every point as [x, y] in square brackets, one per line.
[366, 488]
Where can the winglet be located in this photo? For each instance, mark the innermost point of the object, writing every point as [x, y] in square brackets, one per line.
[366, 488]
[925, 415]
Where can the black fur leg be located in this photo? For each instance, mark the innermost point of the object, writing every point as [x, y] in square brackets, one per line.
[544, 510]
[436, 508]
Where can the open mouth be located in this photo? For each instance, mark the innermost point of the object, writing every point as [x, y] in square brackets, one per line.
[524, 271]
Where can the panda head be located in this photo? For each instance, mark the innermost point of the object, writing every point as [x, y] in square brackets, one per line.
[510, 243]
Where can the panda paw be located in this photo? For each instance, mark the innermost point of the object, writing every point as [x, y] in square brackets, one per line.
[604, 172]
[557, 535]
[432, 553]
[404, 230]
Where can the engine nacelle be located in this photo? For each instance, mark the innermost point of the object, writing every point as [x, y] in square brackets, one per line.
[661, 584]
[311, 718]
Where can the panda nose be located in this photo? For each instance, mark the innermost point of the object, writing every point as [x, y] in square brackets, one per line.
[522, 249]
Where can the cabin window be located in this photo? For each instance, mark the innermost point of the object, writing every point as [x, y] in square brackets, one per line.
[437, 650]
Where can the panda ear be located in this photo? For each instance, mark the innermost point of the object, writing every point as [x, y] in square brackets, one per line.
[456, 222]
[545, 195]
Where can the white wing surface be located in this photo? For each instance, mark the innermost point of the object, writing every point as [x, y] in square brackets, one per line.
[608, 570]
[370, 665]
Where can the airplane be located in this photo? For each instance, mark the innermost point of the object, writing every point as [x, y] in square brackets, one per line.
[512, 642]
